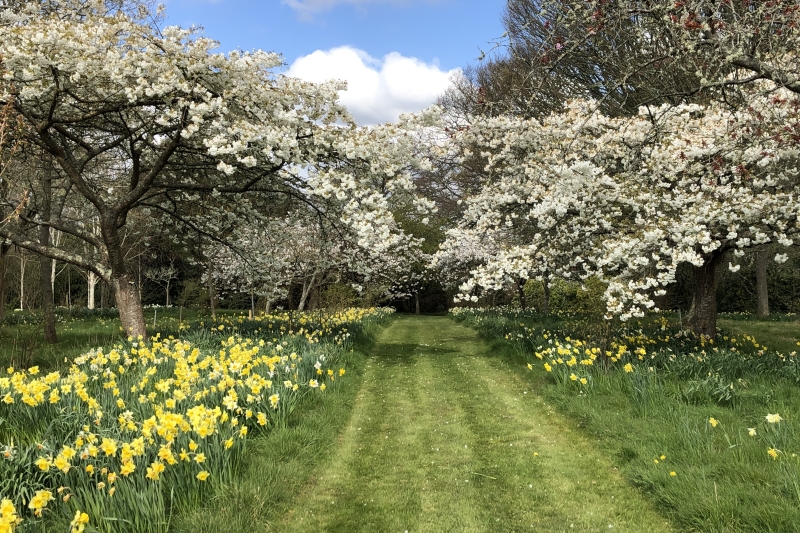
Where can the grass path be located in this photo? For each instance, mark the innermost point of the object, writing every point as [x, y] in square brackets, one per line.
[446, 437]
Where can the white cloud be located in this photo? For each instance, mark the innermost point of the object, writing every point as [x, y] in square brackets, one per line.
[377, 90]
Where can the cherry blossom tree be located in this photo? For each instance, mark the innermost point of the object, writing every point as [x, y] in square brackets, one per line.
[142, 119]
[630, 198]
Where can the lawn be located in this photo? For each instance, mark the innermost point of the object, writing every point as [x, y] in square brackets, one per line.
[692, 425]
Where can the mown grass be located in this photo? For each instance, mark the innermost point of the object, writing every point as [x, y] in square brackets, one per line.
[725, 480]
[277, 466]
[447, 436]
[782, 336]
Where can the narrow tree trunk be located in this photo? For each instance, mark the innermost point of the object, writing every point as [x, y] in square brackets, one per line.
[762, 306]
[45, 273]
[523, 301]
[268, 307]
[48, 305]
[129, 303]
[212, 297]
[91, 283]
[546, 287]
[252, 305]
[168, 293]
[53, 277]
[45, 270]
[22, 262]
[4, 249]
[416, 302]
[707, 277]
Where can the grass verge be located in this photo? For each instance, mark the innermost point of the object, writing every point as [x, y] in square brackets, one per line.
[734, 470]
[278, 465]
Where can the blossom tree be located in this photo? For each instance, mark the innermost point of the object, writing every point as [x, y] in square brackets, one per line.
[587, 194]
[143, 119]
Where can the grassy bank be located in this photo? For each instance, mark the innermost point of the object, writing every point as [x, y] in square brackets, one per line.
[685, 422]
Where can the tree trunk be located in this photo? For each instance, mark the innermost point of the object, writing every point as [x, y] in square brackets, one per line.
[416, 302]
[306, 291]
[48, 314]
[546, 287]
[168, 293]
[706, 278]
[129, 303]
[762, 306]
[22, 263]
[45, 270]
[48, 310]
[212, 297]
[4, 249]
[91, 283]
[523, 301]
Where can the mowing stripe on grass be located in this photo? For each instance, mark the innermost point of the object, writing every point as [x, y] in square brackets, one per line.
[446, 437]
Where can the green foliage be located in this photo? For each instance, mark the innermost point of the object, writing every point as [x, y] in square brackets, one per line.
[338, 296]
[568, 296]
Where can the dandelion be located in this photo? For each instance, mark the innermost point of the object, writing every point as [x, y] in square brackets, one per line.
[774, 419]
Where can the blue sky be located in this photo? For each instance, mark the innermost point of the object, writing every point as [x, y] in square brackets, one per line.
[395, 54]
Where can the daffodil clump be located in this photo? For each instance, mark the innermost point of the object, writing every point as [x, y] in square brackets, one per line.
[575, 349]
[153, 420]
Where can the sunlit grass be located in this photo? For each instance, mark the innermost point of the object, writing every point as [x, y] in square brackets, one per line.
[703, 407]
